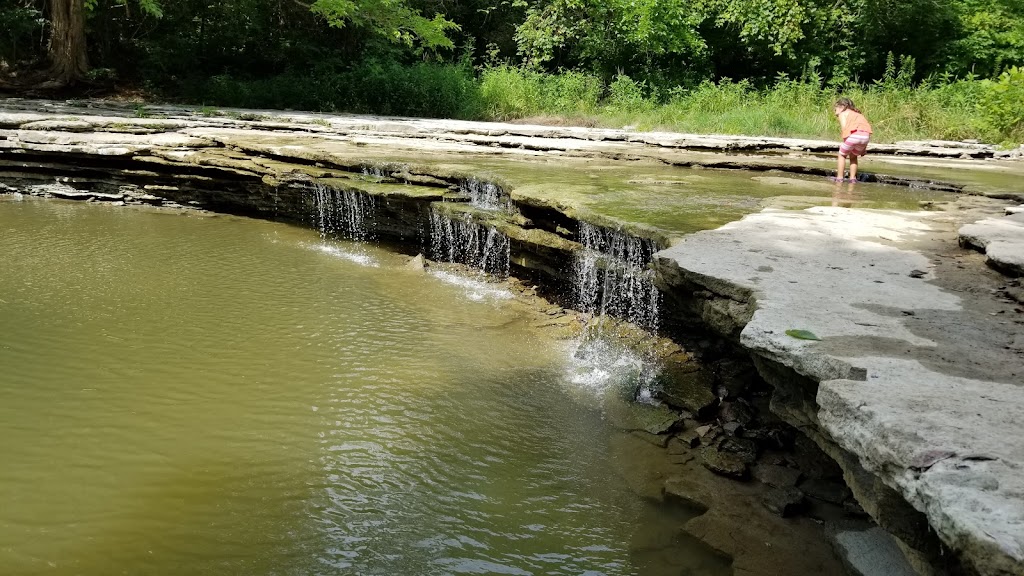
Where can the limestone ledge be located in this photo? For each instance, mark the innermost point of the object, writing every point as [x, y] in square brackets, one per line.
[117, 129]
[68, 116]
[903, 402]
[1001, 239]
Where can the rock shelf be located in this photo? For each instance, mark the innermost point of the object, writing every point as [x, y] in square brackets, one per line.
[915, 388]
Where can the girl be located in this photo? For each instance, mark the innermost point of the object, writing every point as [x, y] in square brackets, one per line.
[856, 135]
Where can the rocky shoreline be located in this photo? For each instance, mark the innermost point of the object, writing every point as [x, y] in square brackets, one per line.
[950, 495]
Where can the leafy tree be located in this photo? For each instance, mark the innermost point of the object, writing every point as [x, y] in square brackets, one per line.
[990, 37]
[611, 36]
[393, 19]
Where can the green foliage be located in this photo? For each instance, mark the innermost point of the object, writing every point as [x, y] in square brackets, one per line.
[627, 95]
[609, 35]
[918, 68]
[1002, 105]
[392, 19]
[422, 89]
[991, 36]
[802, 334]
[21, 27]
[508, 92]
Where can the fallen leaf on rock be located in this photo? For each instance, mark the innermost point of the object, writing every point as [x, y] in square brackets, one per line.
[802, 334]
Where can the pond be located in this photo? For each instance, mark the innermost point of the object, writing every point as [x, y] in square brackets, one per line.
[200, 394]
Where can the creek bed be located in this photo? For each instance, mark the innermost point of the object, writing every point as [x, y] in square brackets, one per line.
[202, 394]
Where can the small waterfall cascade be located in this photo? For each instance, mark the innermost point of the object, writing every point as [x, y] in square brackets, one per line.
[484, 195]
[374, 171]
[612, 276]
[466, 242]
[345, 213]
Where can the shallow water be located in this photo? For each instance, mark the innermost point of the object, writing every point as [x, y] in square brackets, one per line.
[675, 201]
[186, 394]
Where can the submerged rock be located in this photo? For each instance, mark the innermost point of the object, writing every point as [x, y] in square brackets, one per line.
[628, 415]
[687, 387]
[835, 492]
[785, 502]
[729, 457]
[776, 476]
[417, 264]
[723, 463]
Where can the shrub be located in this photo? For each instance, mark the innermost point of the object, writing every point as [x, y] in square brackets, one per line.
[1002, 105]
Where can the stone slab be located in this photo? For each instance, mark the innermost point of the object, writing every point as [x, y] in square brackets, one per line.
[873, 553]
[1001, 239]
[884, 393]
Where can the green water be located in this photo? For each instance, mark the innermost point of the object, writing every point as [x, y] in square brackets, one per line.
[185, 394]
[671, 200]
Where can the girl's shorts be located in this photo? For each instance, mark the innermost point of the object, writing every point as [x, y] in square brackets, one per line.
[856, 144]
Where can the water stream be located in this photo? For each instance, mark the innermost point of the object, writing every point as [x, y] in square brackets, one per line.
[186, 394]
[343, 213]
[612, 276]
[484, 195]
[464, 241]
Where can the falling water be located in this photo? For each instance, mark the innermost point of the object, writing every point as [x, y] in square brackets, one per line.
[612, 276]
[345, 213]
[374, 171]
[466, 242]
[484, 195]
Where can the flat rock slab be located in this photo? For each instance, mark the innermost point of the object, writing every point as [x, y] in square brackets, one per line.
[1001, 239]
[873, 553]
[944, 433]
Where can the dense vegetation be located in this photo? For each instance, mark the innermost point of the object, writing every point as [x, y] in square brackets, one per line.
[919, 68]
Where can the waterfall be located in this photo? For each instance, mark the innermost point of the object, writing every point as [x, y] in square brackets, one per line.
[483, 195]
[373, 171]
[612, 276]
[466, 242]
[344, 213]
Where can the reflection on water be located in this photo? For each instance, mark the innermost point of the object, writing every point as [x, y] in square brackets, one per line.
[209, 395]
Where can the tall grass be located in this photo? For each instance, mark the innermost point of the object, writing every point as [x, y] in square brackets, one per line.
[948, 109]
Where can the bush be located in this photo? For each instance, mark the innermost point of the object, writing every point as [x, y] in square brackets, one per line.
[509, 92]
[423, 89]
[940, 108]
[1002, 105]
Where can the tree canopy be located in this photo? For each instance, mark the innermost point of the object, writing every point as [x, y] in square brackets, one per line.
[162, 42]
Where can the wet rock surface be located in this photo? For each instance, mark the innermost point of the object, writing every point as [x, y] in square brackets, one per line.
[1000, 239]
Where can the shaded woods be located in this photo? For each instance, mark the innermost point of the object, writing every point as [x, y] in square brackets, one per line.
[923, 68]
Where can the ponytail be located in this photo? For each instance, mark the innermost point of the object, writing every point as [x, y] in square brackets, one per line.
[847, 104]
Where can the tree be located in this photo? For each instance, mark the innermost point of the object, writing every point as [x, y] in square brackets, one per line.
[393, 19]
[611, 36]
[66, 47]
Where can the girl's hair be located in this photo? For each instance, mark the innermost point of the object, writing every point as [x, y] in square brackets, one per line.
[847, 104]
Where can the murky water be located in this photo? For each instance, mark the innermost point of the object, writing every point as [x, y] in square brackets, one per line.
[184, 394]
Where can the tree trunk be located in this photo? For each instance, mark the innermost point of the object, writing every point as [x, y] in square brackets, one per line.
[68, 63]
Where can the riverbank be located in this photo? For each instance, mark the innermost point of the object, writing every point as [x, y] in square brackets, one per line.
[265, 165]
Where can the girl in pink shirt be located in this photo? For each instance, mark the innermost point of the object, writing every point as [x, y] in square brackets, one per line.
[856, 135]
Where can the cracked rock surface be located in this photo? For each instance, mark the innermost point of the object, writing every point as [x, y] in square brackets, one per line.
[922, 384]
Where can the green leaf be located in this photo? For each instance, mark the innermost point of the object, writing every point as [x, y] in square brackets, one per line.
[802, 334]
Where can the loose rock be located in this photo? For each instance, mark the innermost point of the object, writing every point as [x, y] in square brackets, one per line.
[785, 502]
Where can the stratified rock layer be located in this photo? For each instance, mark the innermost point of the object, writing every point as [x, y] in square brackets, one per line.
[893, 387]
[1001, 239]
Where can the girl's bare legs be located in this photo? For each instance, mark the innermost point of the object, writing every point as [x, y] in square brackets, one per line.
[841, 167]
[853, 168]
